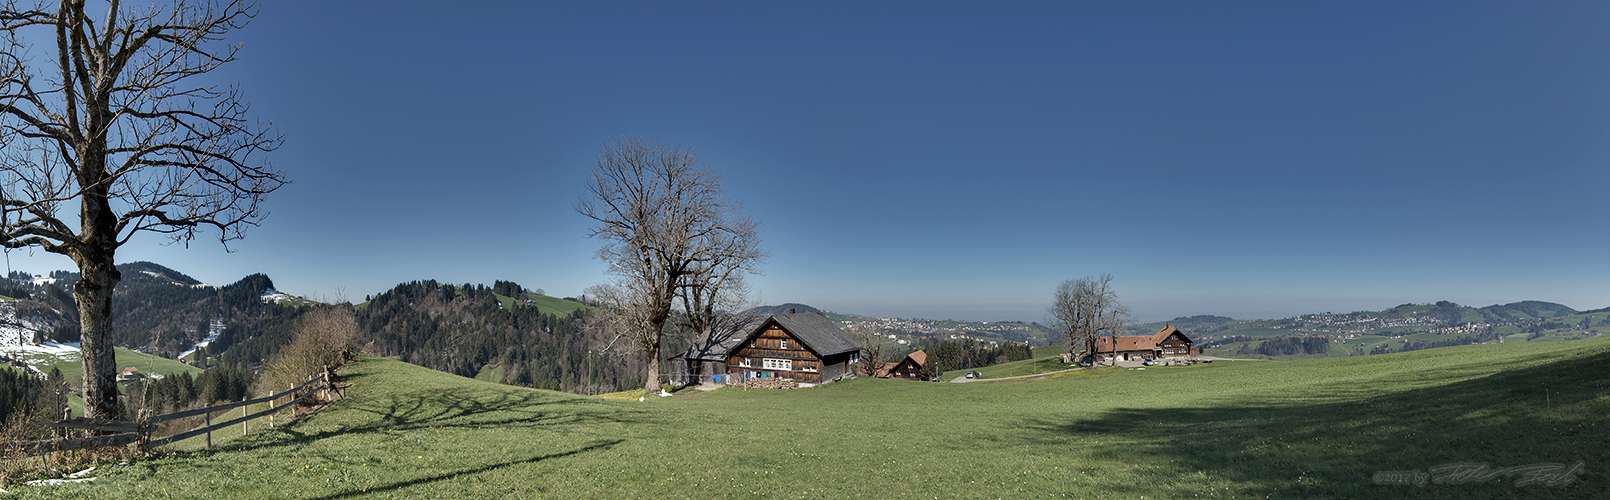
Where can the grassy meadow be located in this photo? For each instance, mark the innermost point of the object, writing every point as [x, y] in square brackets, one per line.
[1300, 429]
[544, 303]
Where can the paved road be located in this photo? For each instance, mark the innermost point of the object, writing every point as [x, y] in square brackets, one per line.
[1122, 364]
[963, 379]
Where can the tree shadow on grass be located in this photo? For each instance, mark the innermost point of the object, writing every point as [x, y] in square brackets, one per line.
[465, 409]
[1324, 446]
[441, 409]
[474, 470]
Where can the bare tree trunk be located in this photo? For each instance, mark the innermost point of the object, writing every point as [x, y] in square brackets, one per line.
[93, 293]
[652, 385]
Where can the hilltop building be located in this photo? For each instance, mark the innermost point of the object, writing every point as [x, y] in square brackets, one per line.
[129, 374]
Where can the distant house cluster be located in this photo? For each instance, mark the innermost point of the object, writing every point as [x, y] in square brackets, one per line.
[804, 350]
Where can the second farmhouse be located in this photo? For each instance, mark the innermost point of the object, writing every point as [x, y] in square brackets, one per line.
[1168, 343]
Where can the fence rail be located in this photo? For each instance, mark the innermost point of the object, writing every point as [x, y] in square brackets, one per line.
[140, 432]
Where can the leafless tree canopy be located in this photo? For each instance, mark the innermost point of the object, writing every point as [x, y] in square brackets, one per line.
[673, 241]
[1085, 309]
[114, 131]
[875, 347]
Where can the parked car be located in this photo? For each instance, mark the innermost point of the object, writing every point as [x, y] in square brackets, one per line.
[971, 374]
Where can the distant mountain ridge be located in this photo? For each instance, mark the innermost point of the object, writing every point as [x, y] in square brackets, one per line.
[781, 309]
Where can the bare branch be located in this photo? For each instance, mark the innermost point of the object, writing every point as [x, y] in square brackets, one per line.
[671, 237]
[118, 136]
[1086, 309]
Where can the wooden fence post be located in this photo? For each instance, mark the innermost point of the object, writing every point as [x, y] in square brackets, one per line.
[209, 433]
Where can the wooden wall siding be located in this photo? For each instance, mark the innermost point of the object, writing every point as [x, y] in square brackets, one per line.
[738, 373]
[756, 352]
[1175, 345]
[835, 366]
[759, 363]
[906, 370]
[805, 366]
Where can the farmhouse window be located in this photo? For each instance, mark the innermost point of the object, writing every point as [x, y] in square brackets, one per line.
[777, 364]
[785, 343]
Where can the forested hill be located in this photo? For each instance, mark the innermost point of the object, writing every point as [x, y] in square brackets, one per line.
[165, 312]
[473, 331]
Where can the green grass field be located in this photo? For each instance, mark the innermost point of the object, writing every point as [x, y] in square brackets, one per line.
[146, 363]
[73, 369]
[555, 305]
[544, 303]
[1300, 429]
[1046, 359]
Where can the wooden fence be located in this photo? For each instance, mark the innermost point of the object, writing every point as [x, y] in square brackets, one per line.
[140, 432]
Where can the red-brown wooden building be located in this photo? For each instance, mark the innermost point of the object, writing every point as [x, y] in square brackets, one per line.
[806, 348]
[1168, 343]
[909, 368]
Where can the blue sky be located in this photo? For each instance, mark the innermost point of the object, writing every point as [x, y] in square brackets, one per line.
[950, 160]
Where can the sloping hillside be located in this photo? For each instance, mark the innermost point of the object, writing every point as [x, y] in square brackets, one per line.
[1307, 429]
[471, 330]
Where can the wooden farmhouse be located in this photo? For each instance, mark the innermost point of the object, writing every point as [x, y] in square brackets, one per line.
[807, 349]
[909, 368]
[129, 374]
[1168, 343]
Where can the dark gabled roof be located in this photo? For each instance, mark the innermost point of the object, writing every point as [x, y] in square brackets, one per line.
[724, 336]
[818, 333]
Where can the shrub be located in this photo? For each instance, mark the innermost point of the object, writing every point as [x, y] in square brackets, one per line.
[323, 339]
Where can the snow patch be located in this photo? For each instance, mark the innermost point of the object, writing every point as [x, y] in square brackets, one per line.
[30, 354]
[17, 329]
[272, 295]
[213, 331]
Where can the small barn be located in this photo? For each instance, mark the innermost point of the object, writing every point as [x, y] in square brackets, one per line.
[808, 349]
[909, 368]
[1168, 343]
[129, 374]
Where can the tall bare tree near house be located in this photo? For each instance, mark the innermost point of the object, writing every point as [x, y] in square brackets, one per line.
[116, 130]
[669, 234]
[715, 287]
[1086, 309]
[874, 346]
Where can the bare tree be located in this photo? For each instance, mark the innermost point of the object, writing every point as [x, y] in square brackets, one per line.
[1085, 309]
[715, 287]
[669, 232]
[119, 131]
[874, 346]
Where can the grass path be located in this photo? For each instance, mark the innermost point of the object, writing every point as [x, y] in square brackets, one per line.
[1301, 429]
